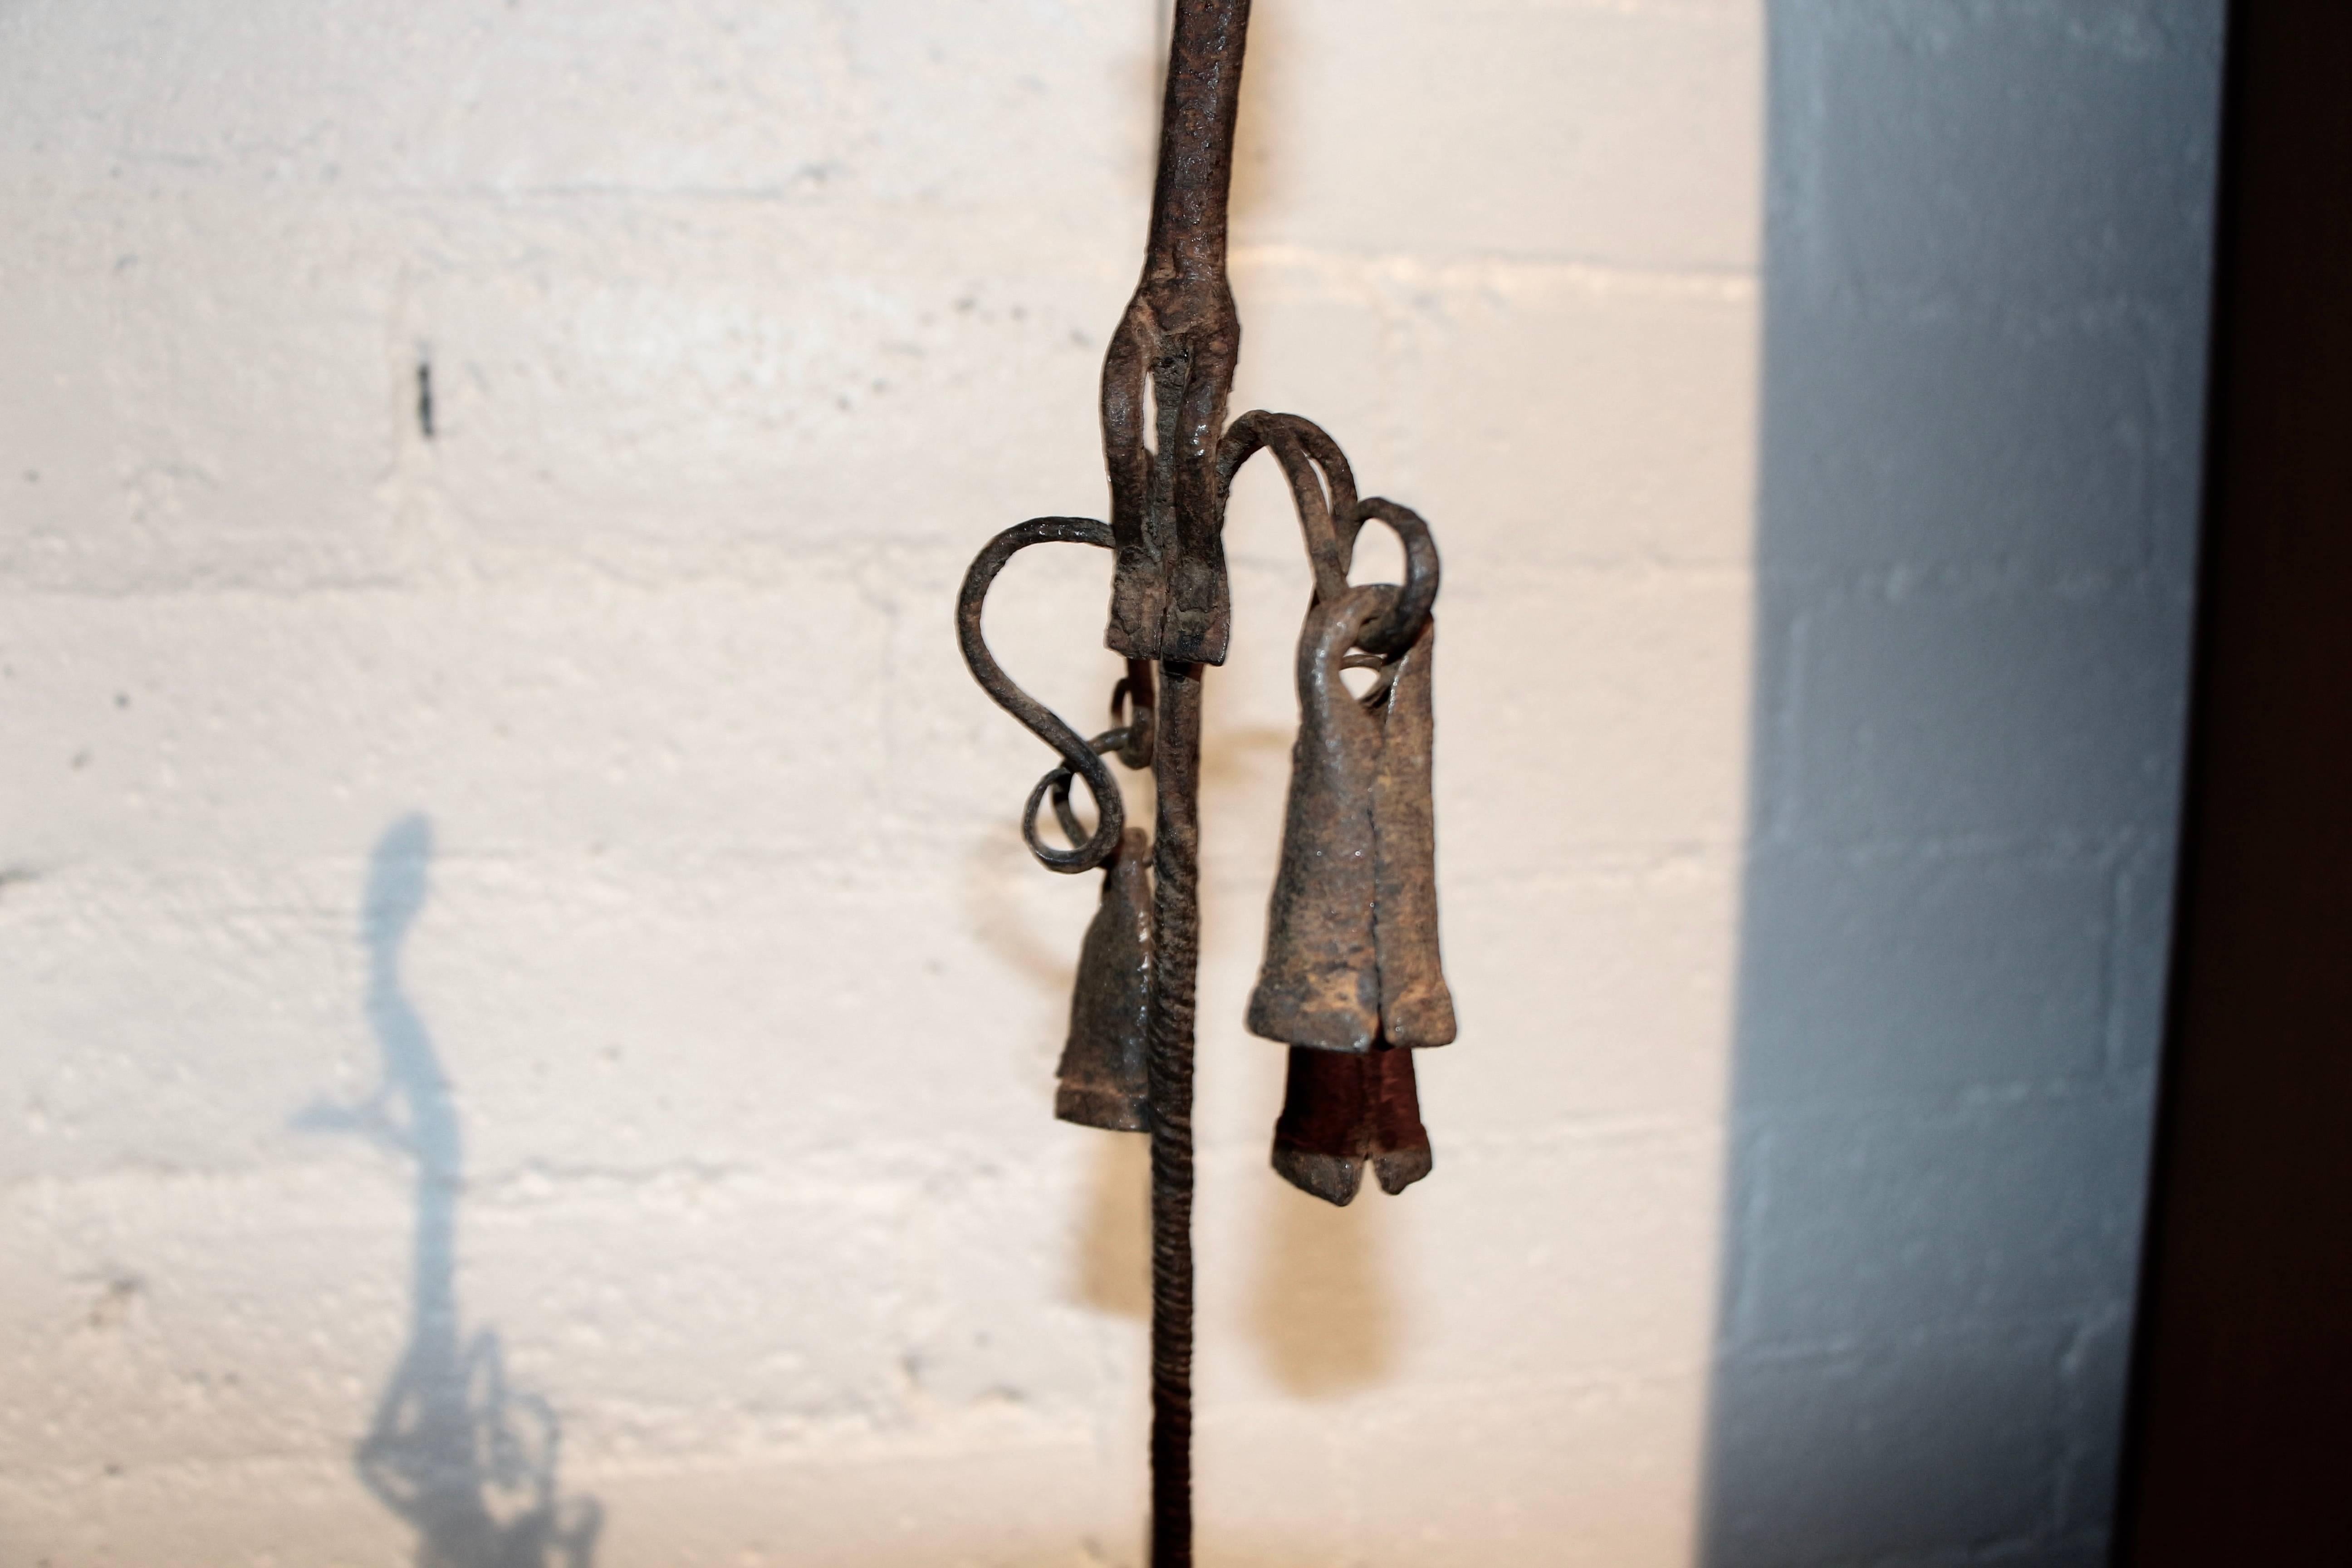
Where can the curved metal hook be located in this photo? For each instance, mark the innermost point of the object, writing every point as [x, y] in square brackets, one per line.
[1302, 447]
[1393, 633]
[1077, 756]
[1056, 784]
[1331, 522]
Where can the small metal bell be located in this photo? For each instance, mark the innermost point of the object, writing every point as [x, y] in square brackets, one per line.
[1103, 1070]
[1341, 1110]
[1351, 954]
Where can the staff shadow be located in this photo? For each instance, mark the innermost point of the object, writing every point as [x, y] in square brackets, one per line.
[466, 1461]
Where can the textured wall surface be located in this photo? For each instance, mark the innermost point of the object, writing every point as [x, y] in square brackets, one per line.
[547, 882]
[1984, 346]
[528, 1029]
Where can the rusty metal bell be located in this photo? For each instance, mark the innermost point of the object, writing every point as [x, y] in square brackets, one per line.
[1351, 980]
[1351, 954]
[1103, 1070]
[1341, 1111]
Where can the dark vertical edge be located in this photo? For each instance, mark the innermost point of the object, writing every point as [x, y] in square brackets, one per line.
[2131, 1461]
[2238, 1420]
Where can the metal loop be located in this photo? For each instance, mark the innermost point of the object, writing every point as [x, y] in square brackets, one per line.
[1135, 694]
[1362, 607]
[1331, 521]
[1076, 755]
[1375, 694]
[1056, 785]
[1394, 632]
[1325, 501]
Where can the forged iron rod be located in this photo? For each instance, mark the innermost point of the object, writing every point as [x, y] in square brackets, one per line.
[1182, 334]
[1185, 303]
[1176, 908]
[1361, 775]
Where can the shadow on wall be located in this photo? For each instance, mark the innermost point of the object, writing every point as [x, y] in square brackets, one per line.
[1322, 1308]
[466, 1461]
[1325, 1307]
[1985, 270]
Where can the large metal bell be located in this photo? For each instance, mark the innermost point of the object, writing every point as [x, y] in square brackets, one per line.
[1351, 954]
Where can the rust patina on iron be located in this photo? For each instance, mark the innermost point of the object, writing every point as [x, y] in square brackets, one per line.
[1180, 333]
[1352, 980]
[1106, 1063]
[1341, 1110]
[1351, 931]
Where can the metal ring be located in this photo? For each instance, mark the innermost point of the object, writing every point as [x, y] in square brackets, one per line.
[1056, 784]
[1137, 692]
[1076, 755]
[1394, 632]
[1332, 521]
[1375, 694]
[1303, 448]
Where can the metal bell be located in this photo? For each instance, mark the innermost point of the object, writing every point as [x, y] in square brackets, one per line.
[1341, 1110]
[1352, 954]
[1103, 1070]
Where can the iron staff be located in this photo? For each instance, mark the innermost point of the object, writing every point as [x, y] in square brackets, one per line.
[1352, 980]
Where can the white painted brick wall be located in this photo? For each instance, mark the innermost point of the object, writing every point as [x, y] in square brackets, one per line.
[747, 324]
[1985, 283]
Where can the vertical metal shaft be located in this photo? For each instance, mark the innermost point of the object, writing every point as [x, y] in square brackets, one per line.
[1169, 364]
[1182, 333]
[1196, 142]
[1169, 367]
[1169, 455]
[1176, 904]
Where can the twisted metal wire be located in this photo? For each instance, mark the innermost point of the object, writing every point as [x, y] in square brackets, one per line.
[1077, 755]
[1176, 914]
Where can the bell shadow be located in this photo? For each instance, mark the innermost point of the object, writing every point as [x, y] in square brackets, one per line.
[1236, 762]
[1114, 1249]
[994, 878]
[466, 1461]
[1246, 766]
[1323, 1312]
[1323, 1309]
